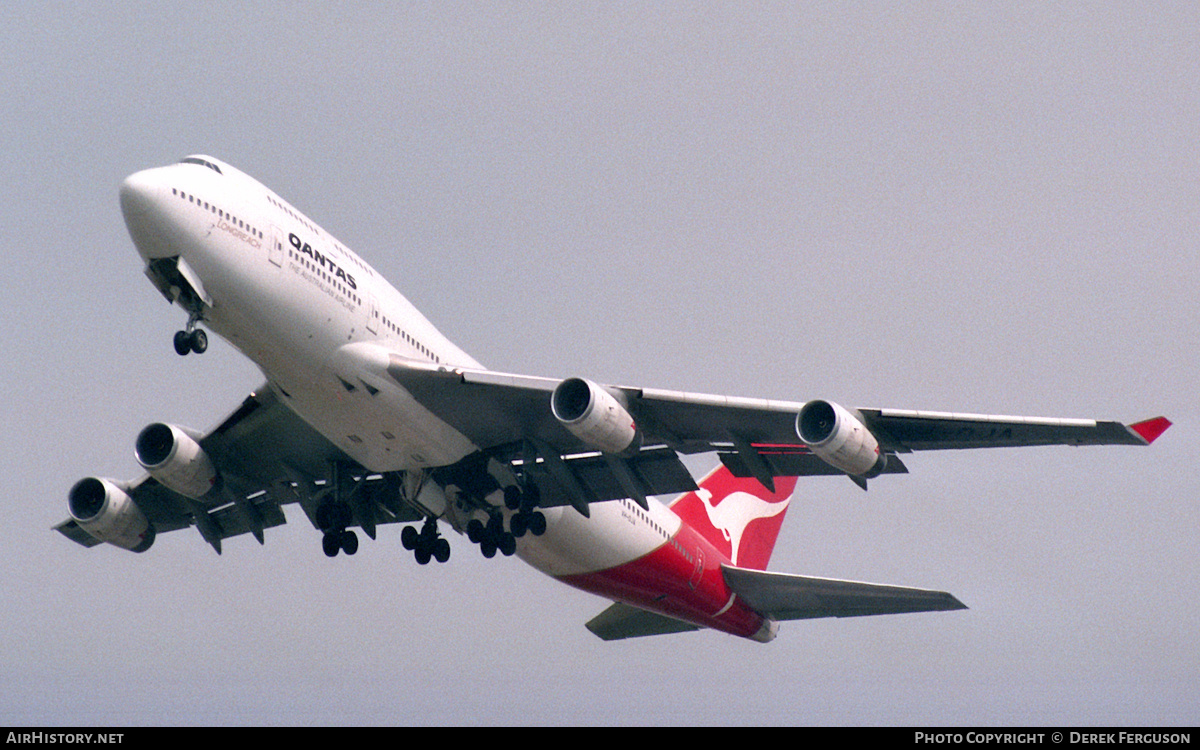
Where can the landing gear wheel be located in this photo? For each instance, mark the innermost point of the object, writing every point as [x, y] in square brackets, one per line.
[537, 523]
[331, 544]
[349, 542]
[441, 550]
[507, 545]
[475, 530]
[183, 343]
[198, 341]
[518, 524]
[409, 537]
[423, 555]
[488, 548]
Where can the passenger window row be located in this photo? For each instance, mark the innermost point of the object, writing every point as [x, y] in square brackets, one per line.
[277, 203]
[326, 276]
[212, 208]
[410, 339]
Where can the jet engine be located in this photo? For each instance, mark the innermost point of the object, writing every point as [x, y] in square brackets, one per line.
[595, 416]
[105, 511]
[176, 459]
[839, 438]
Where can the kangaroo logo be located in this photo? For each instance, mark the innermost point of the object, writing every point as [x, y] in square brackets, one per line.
[732, 514]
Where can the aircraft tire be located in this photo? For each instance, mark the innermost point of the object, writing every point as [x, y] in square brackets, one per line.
[183, 343]
[349, 542]
[537, 523]
[441, 550]
[518, 524]
[331, 544]
[198, 341]
[409, 537]
[508, 545]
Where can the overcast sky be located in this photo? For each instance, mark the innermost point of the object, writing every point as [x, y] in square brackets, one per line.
[986, 207]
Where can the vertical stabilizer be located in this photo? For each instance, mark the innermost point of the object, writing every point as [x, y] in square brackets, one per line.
[740, 517]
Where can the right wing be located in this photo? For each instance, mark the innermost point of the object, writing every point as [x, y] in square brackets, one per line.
[266, 457]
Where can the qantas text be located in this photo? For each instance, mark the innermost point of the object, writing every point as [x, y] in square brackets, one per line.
[321, 260]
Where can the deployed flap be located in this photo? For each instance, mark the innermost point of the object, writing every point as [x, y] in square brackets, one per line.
[624, 621]
[657, 471]
[791, 597]
[790, 461]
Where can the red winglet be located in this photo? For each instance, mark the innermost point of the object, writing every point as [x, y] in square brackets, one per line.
[1151, 428]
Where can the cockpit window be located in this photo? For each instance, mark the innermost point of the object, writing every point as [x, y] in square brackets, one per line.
[201, 162]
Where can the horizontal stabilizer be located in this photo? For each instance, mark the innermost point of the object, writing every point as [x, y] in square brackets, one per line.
[624, 621]
[791, 597]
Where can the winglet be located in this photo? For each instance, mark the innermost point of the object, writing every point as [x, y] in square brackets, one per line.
[1150, 429]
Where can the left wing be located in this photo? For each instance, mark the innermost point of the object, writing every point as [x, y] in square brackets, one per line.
[762, 438]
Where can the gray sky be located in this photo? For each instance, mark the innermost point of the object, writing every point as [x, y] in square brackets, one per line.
[971, 207]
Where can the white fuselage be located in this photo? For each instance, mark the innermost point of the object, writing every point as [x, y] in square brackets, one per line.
[321, 324]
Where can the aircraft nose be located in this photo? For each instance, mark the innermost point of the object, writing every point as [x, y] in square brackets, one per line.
[139, 193]
[147, 216]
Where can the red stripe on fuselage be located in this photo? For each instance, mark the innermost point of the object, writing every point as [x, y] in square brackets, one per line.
[685, 586]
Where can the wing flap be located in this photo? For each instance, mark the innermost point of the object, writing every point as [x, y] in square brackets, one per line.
[791, 597]
[789, 461]
[657, 471]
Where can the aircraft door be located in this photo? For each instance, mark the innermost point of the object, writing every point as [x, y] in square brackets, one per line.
[275, 246]
[698, 573]
[372, 312]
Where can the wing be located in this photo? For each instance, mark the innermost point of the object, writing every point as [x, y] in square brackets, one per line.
[754, 437]
[905, 431]
[791, 597]
[266, 457]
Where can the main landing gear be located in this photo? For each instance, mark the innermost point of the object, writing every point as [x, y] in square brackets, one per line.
[491, 536]
[333, 518]
[191, 339]
[426, 544]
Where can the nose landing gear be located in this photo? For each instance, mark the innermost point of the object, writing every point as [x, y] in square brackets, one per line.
[191, 338]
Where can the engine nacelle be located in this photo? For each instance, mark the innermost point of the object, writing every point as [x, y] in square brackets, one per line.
[176, 459]
[105, 511]
[594, 415]
[840, 439]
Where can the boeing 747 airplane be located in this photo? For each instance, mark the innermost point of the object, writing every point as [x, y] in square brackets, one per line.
[370, 416]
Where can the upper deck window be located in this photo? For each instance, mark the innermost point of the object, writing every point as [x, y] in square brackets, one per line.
[201, 162]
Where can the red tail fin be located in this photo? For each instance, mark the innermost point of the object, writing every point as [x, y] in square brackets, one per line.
[740, 517]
